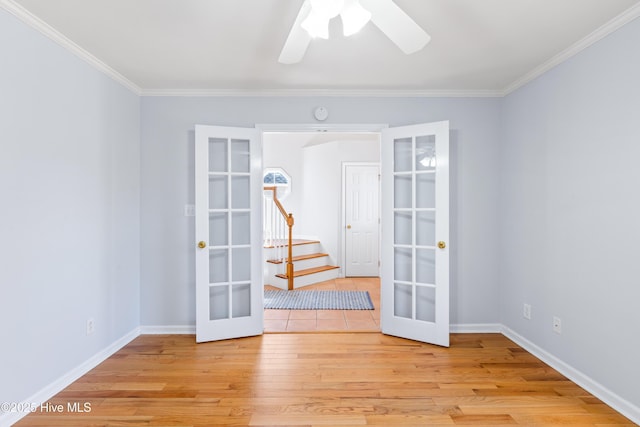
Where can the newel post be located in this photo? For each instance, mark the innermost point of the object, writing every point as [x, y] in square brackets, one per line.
[290, 254]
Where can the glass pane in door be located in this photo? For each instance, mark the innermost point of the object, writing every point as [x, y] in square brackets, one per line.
[425, 228]
[402, 149]
[218, 302]
[240, 159]
[426, 266]
[218, 266]
[402, 191]
[425, 153]
[403, 228]
[241, 229]
[240, 192]
[218, 192]
[426, 303]
[239, 270]
[403, 300]
[218, 229]
[218, 155]
[241, 300]
[402, 264]
[425, 190]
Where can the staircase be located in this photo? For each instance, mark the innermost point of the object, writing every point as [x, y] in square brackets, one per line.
[311, 265]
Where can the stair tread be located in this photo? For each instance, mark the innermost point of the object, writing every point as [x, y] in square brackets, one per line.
[308, 271]
[298, 258]
[296, 242]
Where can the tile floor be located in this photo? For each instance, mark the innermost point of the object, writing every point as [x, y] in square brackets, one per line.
[329, 320]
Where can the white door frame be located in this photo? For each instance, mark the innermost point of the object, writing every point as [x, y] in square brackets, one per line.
[316, 127]
[343, 233]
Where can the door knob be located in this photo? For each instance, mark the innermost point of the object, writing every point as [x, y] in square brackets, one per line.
[442, 244]
[348, 227]
[202, 244]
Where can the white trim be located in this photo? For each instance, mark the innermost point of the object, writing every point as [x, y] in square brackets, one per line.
[38, 24]
[65, 380]
[168, 330]
[621, 405]
[317, 127]
[606, 29]
[355, 93]
[475, 328]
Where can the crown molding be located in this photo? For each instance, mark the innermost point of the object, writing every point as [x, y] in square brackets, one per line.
[606, 29]
[362, 93]
[33, 21]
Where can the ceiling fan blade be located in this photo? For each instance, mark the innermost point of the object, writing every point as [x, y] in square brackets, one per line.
[298, 40]
[397, 25]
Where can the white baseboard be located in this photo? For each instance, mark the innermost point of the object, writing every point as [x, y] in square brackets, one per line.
[621, 405]
[168, 330]
[475, 328]
[64, 381]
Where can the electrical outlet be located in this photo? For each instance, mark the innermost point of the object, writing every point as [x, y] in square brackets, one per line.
[526, 311]
[557, 325]
[90, 326]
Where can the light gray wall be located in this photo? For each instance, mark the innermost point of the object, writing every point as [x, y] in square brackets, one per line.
[69, 182]
[167, 239]
[569, 209]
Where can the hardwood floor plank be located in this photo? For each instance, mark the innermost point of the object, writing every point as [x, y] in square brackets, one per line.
[325, 379]
[306, 420]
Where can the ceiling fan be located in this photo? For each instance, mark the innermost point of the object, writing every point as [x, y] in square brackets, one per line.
[314, 16]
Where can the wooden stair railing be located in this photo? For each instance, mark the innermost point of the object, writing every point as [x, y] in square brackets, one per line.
[289, 220]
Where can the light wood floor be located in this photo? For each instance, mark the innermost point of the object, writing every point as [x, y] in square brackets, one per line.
[326, 379]
[329, 320]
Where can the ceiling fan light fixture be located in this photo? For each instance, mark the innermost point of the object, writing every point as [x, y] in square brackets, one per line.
[316, 25]
[314, 16]
[354, 17]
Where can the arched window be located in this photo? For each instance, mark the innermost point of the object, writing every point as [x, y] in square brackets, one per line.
[277, 177]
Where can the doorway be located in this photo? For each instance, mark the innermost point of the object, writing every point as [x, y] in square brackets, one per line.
[315, 161]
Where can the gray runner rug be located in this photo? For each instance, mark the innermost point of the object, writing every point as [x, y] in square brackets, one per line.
[317, 300]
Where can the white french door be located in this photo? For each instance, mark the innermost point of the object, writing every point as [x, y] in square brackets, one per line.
[361, 217]
[228, 196]
[415, 232]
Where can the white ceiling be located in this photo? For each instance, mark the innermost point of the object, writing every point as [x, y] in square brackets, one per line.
[478, 47]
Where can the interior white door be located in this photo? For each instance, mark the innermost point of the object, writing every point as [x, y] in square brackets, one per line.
[415, 232]
[361, 220]
[228, 190]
